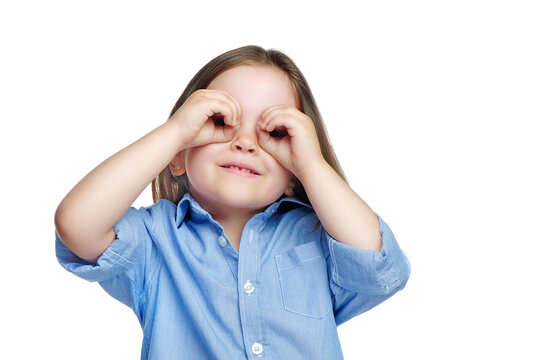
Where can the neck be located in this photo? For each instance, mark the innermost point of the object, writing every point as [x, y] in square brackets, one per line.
[231, 219]
[233, 227]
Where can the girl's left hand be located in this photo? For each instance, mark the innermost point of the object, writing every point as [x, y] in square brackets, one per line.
[290, 137]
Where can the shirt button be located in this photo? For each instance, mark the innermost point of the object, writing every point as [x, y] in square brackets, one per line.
[223, 241]
[257, 348]
[248, 287]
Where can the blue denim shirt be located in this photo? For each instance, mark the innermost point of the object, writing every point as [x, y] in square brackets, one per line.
[280, 297]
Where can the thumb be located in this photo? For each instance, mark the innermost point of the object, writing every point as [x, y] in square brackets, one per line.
[266, 141]
[224, 133]
[278, 149]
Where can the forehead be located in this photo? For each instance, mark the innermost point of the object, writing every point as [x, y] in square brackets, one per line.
[256, 87]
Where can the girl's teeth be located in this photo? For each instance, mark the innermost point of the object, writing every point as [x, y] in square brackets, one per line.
[237, 168]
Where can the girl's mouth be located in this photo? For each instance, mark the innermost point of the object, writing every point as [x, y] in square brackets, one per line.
[240, 169]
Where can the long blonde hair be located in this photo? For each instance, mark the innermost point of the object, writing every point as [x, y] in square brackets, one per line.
[167, 186]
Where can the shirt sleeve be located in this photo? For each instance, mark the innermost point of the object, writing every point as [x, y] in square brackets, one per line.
[361, 279]
[121, 267]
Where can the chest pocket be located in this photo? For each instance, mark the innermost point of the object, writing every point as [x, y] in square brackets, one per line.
[304, 281]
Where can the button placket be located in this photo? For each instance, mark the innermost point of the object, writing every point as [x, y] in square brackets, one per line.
[249, 302]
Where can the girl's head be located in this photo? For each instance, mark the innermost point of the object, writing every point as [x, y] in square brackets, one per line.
[167, 186]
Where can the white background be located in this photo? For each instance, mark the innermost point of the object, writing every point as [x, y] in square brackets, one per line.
[432, 107]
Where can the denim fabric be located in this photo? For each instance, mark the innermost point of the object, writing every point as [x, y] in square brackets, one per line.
[280, 297]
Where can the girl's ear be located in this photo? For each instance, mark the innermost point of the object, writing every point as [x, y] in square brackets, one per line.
[177, 165]
[290, 189]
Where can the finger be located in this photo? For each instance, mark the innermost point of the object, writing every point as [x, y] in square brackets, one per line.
[215, 104]
[222, 111]
[277, 109]
[237, 108]
[274, 109]
[224, 134]
[279, 116]
[279, 150]
[279, 126]
[210, 133]
[267, 143]
[263, 138]
[271, 144]
[232, 116]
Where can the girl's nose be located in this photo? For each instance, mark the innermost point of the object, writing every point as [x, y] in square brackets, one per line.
[245, 141]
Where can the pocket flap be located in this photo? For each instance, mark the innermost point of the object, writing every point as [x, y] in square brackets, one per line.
[299, 255]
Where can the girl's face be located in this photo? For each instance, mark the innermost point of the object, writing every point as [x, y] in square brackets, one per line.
[217, 172]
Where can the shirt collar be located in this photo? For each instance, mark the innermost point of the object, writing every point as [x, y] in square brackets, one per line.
[188, 205]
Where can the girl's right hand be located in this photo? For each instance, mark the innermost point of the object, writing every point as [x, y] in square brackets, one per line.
[207, 116]
[86, 217]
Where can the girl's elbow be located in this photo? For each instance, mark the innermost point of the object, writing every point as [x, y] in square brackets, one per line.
[63, 225]
[69, 230]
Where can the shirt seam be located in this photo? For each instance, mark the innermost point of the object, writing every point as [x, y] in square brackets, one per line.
[335, 276]
[147, 281]
[388, 288]
[119, 256]
[383, 286]
[115, 261]
[300, 262]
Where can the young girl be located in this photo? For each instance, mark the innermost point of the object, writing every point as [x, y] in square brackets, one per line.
[256, 247]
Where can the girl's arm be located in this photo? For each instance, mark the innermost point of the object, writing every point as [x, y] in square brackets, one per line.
[343, 214]
[85, 218]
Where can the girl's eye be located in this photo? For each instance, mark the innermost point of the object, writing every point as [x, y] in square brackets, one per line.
[218, 120]
[278, 133]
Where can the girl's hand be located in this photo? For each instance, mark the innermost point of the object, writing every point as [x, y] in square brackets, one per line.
[207, 116]
[290, 137]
